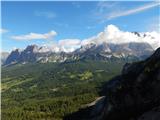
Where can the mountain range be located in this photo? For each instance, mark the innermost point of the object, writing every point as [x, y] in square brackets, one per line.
[112, 43]
[103, 51]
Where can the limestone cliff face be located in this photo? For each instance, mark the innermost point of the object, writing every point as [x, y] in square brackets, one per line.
[104, 51]
[133, 95]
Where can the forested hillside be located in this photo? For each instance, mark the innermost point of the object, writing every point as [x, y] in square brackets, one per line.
[52, 90]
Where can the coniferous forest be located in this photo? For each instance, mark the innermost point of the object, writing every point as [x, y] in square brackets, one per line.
[52, 90]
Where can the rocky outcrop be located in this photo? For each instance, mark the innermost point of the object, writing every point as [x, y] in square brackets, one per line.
[133, 95]
[13, 57]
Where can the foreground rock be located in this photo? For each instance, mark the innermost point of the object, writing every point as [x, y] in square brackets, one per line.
[134, 95]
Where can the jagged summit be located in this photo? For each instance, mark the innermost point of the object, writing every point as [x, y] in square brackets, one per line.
[103, 51]
[12, 58]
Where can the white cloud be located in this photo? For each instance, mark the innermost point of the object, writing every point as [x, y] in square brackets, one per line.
[46, 14]
[65, 45]
[112, 34]
[131, 11]
[3, 30]
[69, 45]
[34, 36]
[69, 42]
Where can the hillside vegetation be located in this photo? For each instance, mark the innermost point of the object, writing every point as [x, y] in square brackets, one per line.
[52, 90]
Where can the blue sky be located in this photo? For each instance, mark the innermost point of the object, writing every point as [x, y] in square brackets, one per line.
[71, 20]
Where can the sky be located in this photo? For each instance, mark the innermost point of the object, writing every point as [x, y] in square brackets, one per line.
[68, 23]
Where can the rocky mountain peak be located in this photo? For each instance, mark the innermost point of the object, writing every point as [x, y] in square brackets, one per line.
[86, 47]
[32, 48]
[137, 33]
[13, 57]
[104, 47]
[103, 51]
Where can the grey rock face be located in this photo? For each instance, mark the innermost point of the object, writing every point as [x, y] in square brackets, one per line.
[33, 53]
[104, 51]
[13, 57]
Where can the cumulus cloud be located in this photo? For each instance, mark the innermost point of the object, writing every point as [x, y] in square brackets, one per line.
[69, 45]
[112, 34]
[68, 42]
[34, 36]
[65, 45]
[3, 30]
